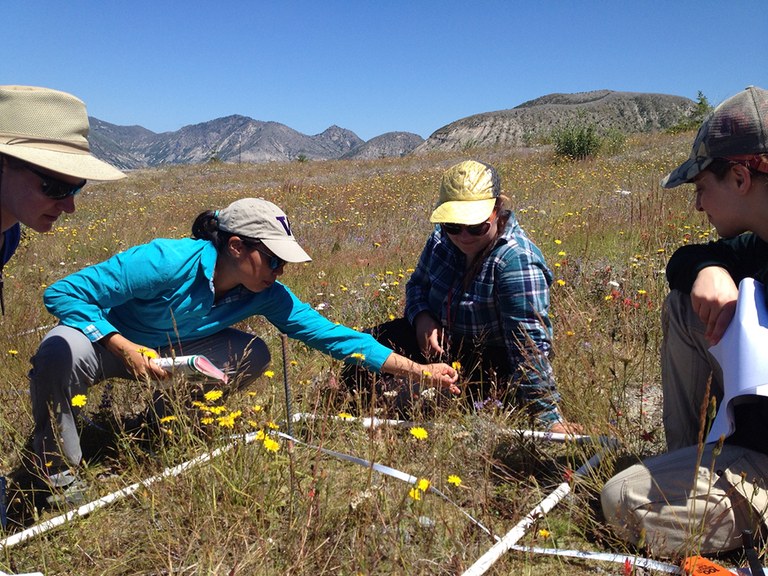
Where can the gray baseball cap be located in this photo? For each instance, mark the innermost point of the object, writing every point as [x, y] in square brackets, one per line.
[736, 127]
[260, 219]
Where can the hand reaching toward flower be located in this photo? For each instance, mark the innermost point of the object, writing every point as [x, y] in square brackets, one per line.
[137, 358]
[439, 374]
[442, 375]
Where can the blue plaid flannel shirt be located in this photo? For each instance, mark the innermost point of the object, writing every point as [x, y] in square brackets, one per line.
[506, 306]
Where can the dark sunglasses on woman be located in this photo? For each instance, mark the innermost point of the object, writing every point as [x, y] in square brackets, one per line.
[274, 261]
[53, 187]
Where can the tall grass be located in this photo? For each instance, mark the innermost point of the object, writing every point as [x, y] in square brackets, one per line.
[606, 229]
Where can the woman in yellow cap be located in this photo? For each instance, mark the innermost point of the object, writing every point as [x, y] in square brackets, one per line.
[479, 296]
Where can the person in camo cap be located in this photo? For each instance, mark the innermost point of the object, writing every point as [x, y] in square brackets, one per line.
[45, 160]
[182, 297]
[479, 296]
[684, 501]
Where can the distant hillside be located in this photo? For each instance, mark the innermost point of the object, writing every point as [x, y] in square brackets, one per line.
[629, 112]
[391, 144]
[242, 139]
[229, 139]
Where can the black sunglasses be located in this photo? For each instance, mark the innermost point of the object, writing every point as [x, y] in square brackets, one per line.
[274, 261]
[53, 187]
[472, 229]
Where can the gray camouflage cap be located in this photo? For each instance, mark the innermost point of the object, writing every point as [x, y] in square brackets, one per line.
[736, 127]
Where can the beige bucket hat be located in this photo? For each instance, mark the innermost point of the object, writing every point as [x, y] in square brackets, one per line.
[49, 129]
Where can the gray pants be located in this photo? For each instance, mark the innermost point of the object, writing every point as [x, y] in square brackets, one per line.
[686, 366]
[67, 364]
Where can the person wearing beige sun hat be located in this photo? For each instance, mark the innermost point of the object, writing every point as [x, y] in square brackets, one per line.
[479, 296]
[45, 160]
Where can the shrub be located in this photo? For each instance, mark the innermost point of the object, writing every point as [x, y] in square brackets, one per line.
[577, 141]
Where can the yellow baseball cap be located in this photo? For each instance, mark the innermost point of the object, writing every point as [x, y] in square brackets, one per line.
[468, 193]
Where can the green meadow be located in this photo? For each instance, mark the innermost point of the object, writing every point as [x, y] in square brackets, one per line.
[271, 506]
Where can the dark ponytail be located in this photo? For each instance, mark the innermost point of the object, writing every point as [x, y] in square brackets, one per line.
[206, 227]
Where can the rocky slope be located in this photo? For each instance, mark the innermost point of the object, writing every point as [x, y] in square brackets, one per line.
[628, 112]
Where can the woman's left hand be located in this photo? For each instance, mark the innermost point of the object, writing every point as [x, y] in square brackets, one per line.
[443, 375]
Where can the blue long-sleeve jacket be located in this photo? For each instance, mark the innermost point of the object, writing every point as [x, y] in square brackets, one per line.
[161, 293]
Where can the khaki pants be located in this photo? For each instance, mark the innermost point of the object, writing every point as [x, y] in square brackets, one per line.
[686, 366]
[675, 503]
[676, 507]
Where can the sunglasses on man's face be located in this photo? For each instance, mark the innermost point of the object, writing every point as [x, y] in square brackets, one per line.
[53, 187]
[275, 262]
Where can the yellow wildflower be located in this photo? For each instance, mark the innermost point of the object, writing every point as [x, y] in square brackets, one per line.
[206, 420]
[415, 493]
[455, 480]
[544, 533]
[227, 421]
[269, 373]
[147, 352]
[423, 484]
[419, 433]
[79, 400]
[271, 445]
[13, 352]
[456, 365]
[166, 419]
[345, 416]
[213, 395]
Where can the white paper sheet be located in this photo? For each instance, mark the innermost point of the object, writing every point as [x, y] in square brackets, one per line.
[742, 354]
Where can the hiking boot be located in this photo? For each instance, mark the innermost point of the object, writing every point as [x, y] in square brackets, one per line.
[67, 488]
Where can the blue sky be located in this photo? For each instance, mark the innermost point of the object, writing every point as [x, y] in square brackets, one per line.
[371, 67]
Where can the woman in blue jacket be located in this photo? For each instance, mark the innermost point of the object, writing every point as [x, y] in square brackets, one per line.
[181, 297]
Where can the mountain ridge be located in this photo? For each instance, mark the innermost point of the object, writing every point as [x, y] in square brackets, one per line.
[237, 138]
